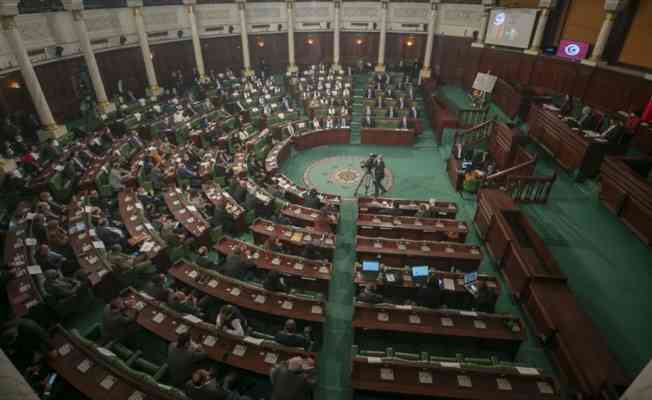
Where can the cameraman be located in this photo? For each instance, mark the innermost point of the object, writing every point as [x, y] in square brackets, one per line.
[379, 175]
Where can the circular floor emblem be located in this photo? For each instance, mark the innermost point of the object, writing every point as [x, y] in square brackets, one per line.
[339, 175]
[346, 176]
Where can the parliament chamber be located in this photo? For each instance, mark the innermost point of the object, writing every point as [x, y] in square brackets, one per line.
[316, 200]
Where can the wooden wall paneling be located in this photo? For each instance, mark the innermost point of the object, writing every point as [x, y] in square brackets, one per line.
[222, 53]
[525, 70]
[173, 57]
[355, 46]
[636, 48]
[553, 74]
[122, 64]
[584, 20]
[60, 83]
[397, 48]
[611, 91]
[581, 80]
[320, 51]
[15, 98]
[273, 48]
[472, 66]
[641, 94]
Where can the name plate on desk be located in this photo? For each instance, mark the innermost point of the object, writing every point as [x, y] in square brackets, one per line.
[479, 324]
[298, 266]
[316, 310]
[415, 319]
[64, 349]
[260, 299]
[181, 329]
[287, 305]
[271, 358]
[276, 261]
[378, 245]
[158, 318]
[527, 371]
[84, 366]
[464, 381]
[425, 248]
[382, 317]
[234, 291]
[387, 374]
[545, 388]
[209, 341]
[212, 283]
[136, 396]
[108, 382]
[239, 350]
[445, 321]
[425, 377]
[503, 384]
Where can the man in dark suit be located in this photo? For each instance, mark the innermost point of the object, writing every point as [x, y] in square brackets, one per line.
[293, 379]
[367, 122]
[289, 336]
[183, 356]
[379, 175]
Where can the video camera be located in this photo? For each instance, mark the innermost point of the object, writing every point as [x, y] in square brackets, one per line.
[368, 164]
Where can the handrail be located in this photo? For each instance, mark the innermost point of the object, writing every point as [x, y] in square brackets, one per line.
[530, 189]
[510, 171]
[475, 134]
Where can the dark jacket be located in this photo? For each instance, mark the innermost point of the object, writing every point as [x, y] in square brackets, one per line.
[290, 385]
[181, 363]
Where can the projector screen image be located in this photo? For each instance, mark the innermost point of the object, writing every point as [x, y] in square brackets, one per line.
[511, 27]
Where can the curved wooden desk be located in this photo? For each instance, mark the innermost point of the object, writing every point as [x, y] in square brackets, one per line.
[381, 205]
[294, 237]
[321, 137]
[401, 227]
[387, 136]
[440, 255]
[188, 215]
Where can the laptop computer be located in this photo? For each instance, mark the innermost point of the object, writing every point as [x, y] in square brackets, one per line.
[420, 274]
[470, 280]
[370, 270]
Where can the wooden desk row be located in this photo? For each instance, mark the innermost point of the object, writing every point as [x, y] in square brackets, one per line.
[385, 205]
[87, 246]
[93, 371]
[188, 215]
[306, 217]
[494, 330]
[296, 194]
[303, 273]
[440, 255]
[295, 238]
[451, 380]
[248, 353]
[321, 137]
[140, 229]
[628, 195]
[387, 137]
[19, 248]
[577, 346]
[217, 195]
[279, 153]
[572, 151]
[403, 286]
[87, 181]
[411, 228]
[248, 296]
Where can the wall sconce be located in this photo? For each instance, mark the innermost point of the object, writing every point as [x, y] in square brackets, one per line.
[179, 34]
[58, 51]
[14, 84]
[409, 42]
[359, 41]
[310, 41]
[260, 43]
[123, 40]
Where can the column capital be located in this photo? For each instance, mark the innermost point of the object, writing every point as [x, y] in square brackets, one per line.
[8, 22]
[77, 15]
[72, 5]
[337, 3]
[384, 4]
[547, 3]
[189, 2]
[289, 3]
[434, 4]
[134, 3]
[241, 4]
[9, 8]
[614, 5]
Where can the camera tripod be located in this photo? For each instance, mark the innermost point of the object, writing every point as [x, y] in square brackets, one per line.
[367, 181]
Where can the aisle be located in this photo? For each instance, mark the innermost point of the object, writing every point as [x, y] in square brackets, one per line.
[335, 355]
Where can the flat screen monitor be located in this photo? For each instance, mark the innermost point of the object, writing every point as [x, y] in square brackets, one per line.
[470, 278]
[370, 266]
[420, 271]
[511, 27]
[573, 49]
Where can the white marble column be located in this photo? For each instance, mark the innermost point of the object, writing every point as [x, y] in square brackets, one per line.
[535, 48]
[384, 5]
[245, 39]
[482, 33]
[292, 67]
[196, 42]
[433, 23]
[137, 6]
[103, 105]
[50, 129]
[337, 8]
[603, 37]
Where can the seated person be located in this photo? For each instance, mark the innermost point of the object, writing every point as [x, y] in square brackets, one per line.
[183, 357]
[368, 122]
[203, 260]
[423, 212]
[312, 200]
[322, 223]
[293, 379]
[124, 263]
[235, 265]
[54, 206]
[118, 321]
[280, 218]
[485, 298]
[231, 321]
[289, 336]
[156, 288]
[185, 304]
[204, 386]
[429, 295]
[274, 282]
[24, 341]
[60, 287]
[49, 259]
[111, 235]
[369, 295]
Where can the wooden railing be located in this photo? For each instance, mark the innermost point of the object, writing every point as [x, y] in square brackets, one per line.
[474, 135]
[470, 117]
[529, 189]
[523, 167]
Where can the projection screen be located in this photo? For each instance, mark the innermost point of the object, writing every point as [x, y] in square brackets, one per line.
[511, 27]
